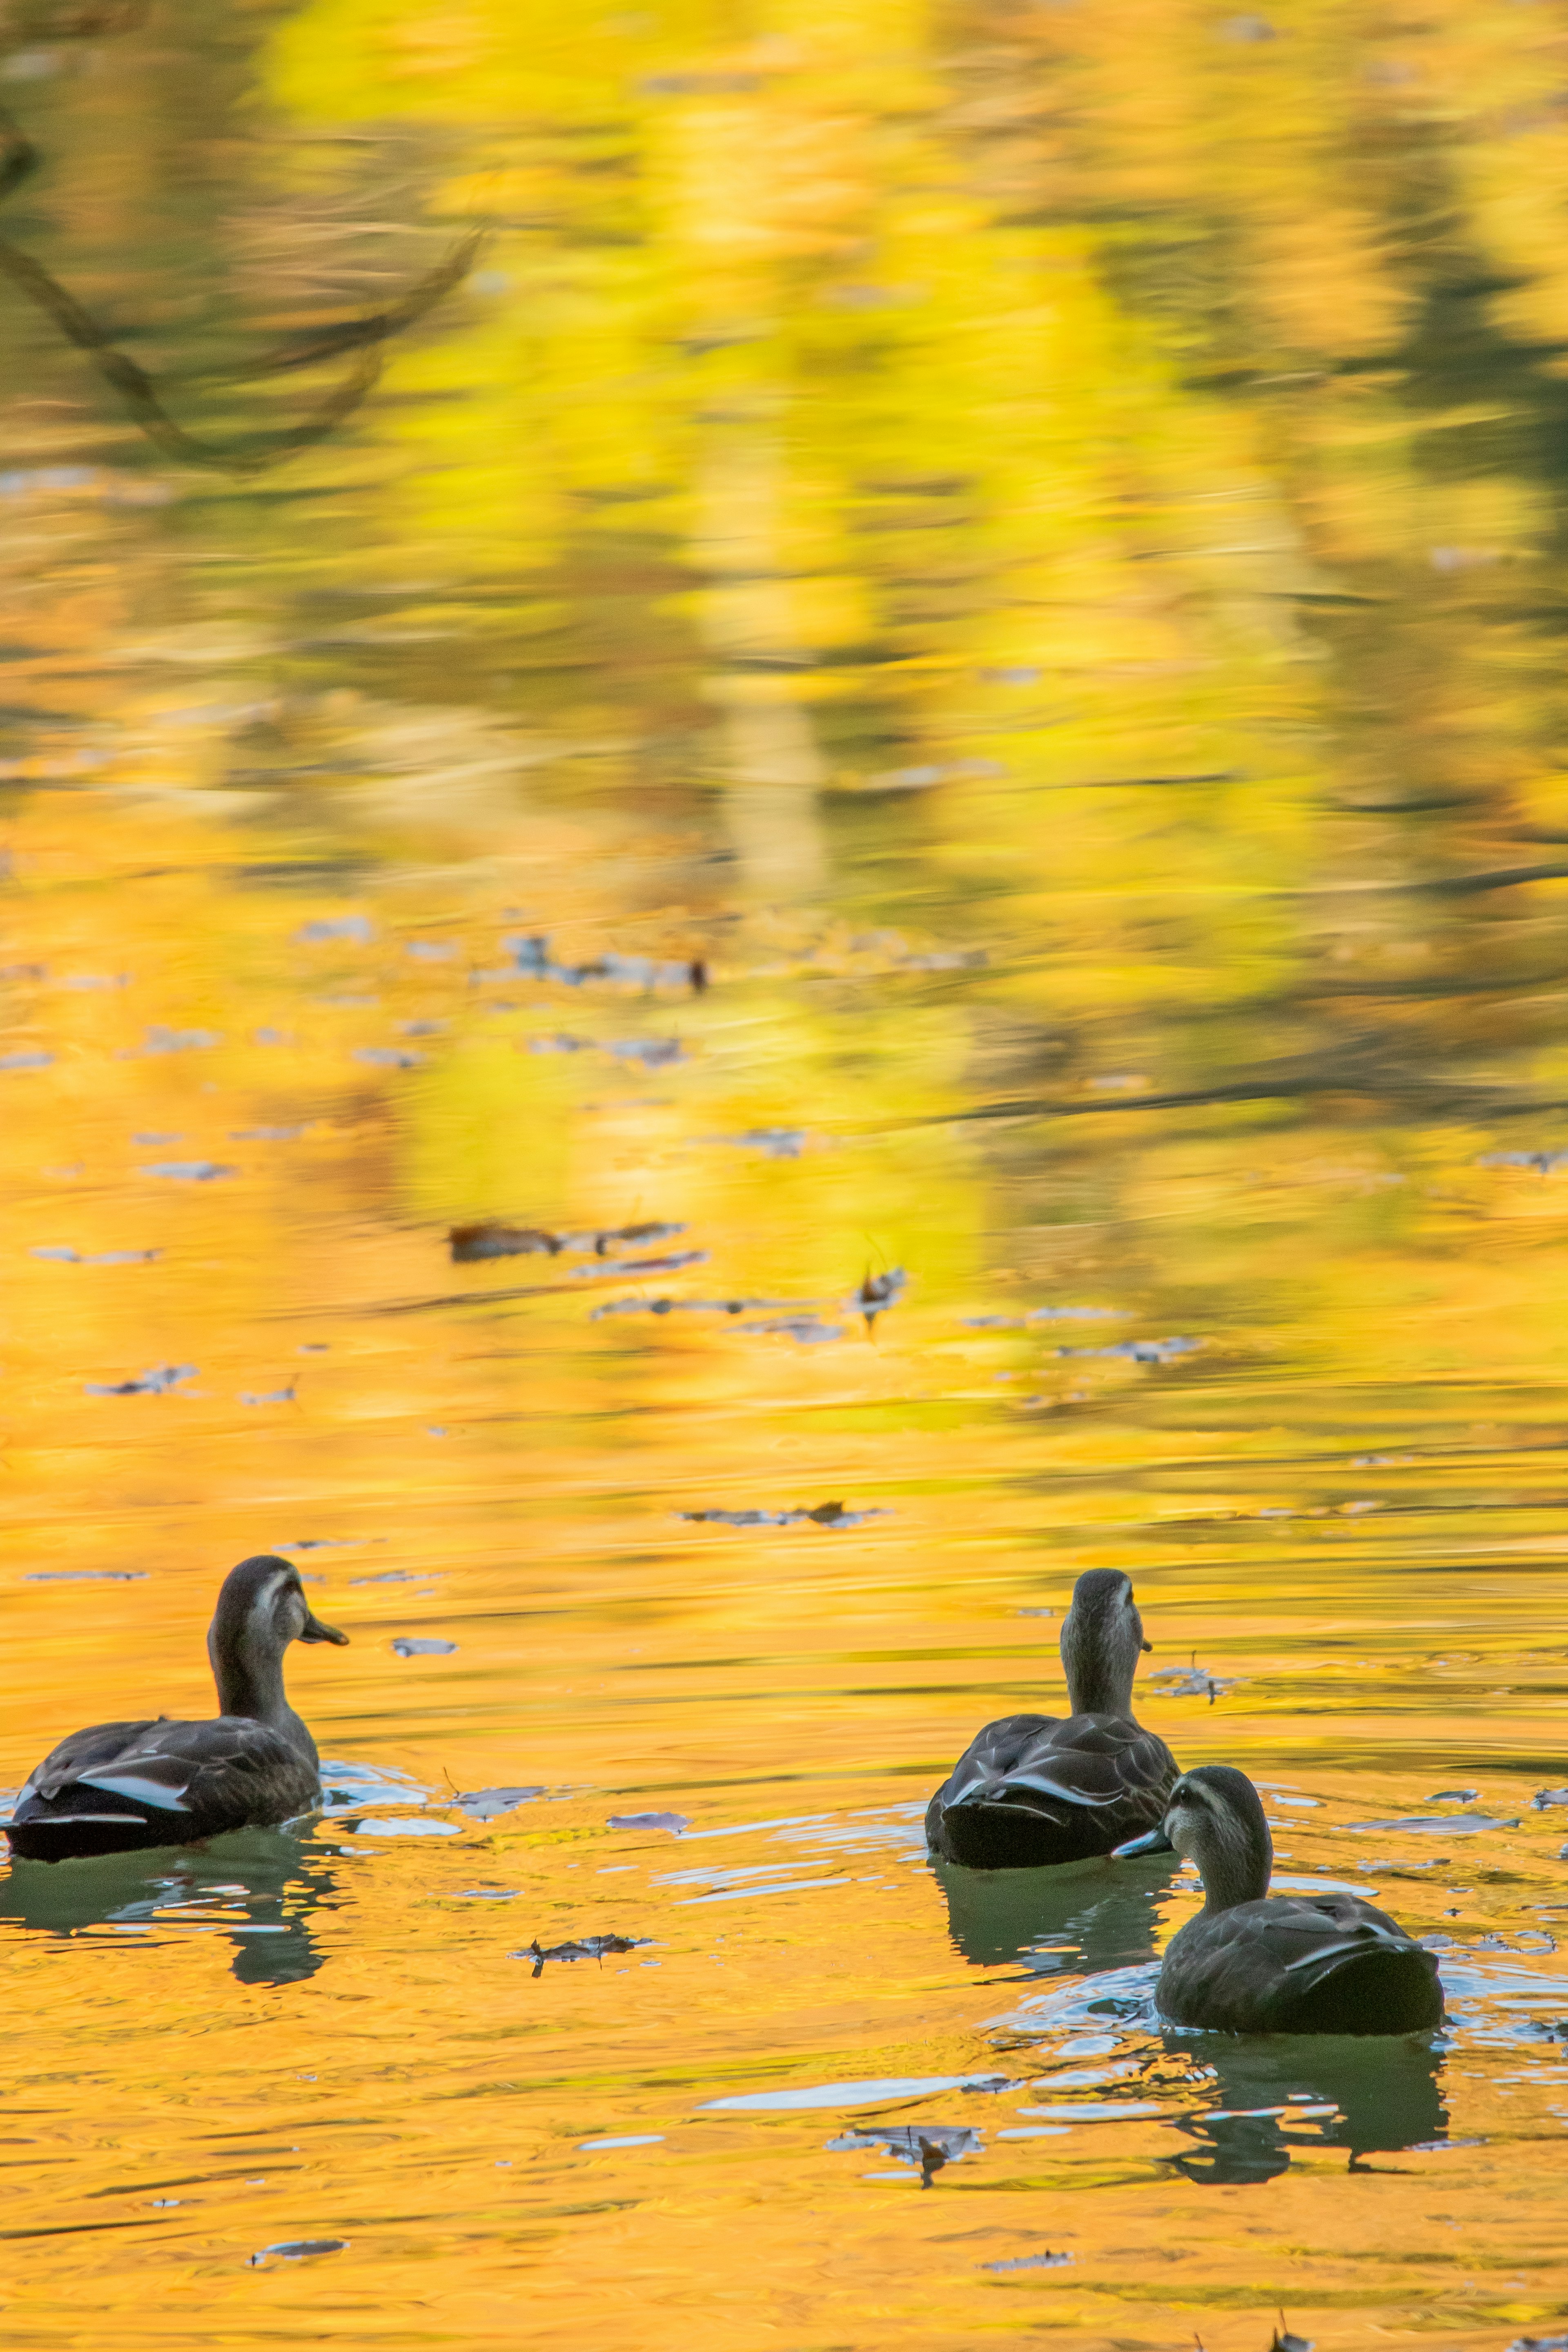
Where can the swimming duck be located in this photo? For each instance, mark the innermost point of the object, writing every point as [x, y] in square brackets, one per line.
[160, 1782]
[1037, 1788]
[1252, 1962]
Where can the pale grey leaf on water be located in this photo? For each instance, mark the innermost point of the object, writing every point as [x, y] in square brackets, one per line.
[531, 955]
[488, 1804]
[296, 2250]
[807, 1328]
[929, 2148]
[653, 1052]
[389, 1058]
[1029, 2262]
[1192, 1682]
[675, 1823]
[358, 927]
[26, 1059]
[1139, 1351]
[772, 1142]
[493, 1237]
[156, 1382]
[160, 1040]
[683, 1307]
[1543, 1798]
[1439, 1824]
[87, 1576]
[188, 1171]
[822, 1515]
[580, 1948]
[419, 1645]
[1543, 1162]
[623, 1267]
[1469, 1796]
[877, 1292]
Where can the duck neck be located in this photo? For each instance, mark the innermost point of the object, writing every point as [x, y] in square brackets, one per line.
[1098, 1684]
[253, 1686]
[1236, 1866]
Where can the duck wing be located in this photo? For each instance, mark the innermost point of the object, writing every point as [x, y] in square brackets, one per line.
[1300, 1964]
[1035, 1789]
[159, 1782]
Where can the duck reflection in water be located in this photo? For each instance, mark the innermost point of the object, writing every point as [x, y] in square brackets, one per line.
[259, 1887]
[1276, 2094]
[1083, 1917]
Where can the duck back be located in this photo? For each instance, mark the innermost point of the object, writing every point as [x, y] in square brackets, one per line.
[117, 1787]
[1034, 1790]
[1300, 1964]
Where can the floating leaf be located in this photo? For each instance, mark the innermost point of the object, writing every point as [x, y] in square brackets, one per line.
[488, 1804]
[419, 1645]
[358, 927]
[189, 1171]
[1029, 2262]
[584, 1948]
[296, 2250]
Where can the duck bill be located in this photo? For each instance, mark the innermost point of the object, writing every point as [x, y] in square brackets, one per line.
[1152, 1842]
[313, 1630]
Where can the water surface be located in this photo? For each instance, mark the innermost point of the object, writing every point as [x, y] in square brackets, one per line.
[946, 662]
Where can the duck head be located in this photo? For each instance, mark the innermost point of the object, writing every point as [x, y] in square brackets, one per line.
[1214, 1818]
[261, 1609]
[1101, 1641]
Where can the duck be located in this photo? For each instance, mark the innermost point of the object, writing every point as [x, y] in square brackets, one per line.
[116, 1787]
[1252, 1962]
[1036, 1789]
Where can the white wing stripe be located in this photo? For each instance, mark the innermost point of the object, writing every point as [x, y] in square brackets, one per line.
[140, 1791]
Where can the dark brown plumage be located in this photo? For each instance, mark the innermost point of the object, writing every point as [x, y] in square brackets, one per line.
[117, 1786]
[1252, 1962]
[1034, 1790]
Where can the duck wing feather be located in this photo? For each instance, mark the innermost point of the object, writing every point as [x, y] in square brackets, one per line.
[1085, 1783]
[220, 1773]
[1329, 1963]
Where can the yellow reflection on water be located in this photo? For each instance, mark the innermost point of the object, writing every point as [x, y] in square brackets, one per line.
[1026, 545]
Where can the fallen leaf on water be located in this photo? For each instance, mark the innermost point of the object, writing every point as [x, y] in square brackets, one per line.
[87, 1576]
[877, 1292]
[296, 2250]
[809, 1330]
[337, 927]
[488, 1804]
[929, 2148]
[415, 1645]
[674, 1821]
[531, 955]
[493, 1238]
[823, 1514]
[585, 1947]
[188, 1171]
[683, 1307]
[160, 1040]
[653, 1052]
[1139, 1351]
[1029, 2262]
[150, 1384]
